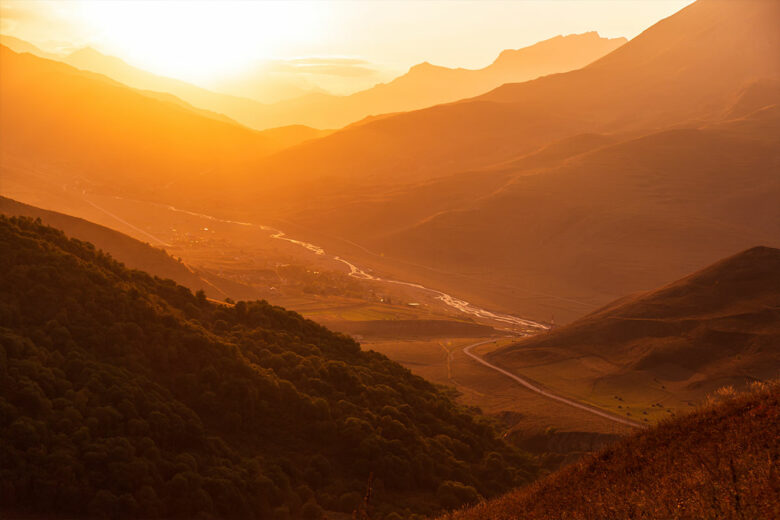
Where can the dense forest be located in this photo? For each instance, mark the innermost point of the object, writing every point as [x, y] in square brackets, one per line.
[126, 396]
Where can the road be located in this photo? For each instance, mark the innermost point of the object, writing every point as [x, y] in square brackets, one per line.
[529, 385]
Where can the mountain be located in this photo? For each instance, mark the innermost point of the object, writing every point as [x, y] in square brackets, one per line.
[20, 46]
[718, 462]
[126, 392]
[679, 175]
[245, 111]
[719, 326]
[426, 84]
[126, 138]
[131, 252]
[617, 219]
[662, 77]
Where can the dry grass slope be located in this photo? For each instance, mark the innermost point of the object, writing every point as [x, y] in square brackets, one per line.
[718, 462]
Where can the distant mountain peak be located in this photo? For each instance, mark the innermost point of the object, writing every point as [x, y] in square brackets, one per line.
[424, 66]
[586, 38]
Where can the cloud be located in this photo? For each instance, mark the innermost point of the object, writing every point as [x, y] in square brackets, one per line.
[336, 66]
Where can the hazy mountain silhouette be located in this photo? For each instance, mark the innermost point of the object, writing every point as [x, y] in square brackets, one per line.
[245, 111]
[426, 84]
[125, 137]
[18, 45]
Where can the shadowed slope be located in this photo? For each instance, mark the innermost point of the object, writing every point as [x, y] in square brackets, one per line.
[126, 393]
[619, 219]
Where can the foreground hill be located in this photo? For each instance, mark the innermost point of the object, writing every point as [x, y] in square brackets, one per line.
[719, 462]
[719, 326]
[126, 393]
[131, 252]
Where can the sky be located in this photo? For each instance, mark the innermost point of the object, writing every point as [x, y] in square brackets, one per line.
[335, 45]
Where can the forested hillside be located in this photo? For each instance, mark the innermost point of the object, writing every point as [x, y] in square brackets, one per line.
[131, 252]
[128, 396]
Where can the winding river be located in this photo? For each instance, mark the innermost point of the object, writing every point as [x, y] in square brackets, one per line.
[356, 272]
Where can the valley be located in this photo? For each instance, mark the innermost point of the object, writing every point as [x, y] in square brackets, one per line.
[543, 285]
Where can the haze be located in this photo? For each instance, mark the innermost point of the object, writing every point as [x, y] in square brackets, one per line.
[358, 43]
[390, 260]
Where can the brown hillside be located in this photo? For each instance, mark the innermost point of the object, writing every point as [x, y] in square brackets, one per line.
[719, 462]
[622, 218]
[718, 326]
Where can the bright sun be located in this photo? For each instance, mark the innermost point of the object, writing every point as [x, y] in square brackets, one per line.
[197, 41]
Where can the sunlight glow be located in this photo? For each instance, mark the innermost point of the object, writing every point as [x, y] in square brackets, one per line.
[196, 40]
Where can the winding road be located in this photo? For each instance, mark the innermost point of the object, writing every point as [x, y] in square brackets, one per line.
[546, 393]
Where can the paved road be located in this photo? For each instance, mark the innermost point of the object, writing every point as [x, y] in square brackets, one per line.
[547, 393]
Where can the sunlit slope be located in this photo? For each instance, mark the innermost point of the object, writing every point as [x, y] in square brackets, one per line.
[719, 462]
[84, 126]
[107, 133]
[246, 111]
[622, 218]
[719, 326]
[426, 84]
[685, 68]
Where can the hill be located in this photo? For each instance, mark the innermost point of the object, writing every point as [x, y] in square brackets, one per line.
[122, 392]
[719, 326]
[719, 462]
[131, 252]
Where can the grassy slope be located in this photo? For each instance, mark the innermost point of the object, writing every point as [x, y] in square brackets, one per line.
[718, 326]
[716, 463]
